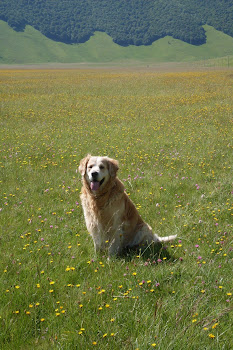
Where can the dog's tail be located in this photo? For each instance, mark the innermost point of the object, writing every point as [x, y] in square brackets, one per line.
[164, 239]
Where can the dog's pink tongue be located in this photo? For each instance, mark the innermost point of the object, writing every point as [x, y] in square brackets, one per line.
[95, 186]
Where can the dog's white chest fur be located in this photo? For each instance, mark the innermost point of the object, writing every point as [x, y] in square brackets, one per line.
[102, 224]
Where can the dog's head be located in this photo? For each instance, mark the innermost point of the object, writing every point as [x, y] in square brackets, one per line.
[98, 171]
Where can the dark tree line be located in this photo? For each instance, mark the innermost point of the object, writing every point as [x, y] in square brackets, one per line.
[128, 22]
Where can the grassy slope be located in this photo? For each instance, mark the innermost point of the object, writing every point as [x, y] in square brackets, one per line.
[31, 46]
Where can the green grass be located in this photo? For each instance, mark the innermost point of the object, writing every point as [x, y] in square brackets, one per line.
[31, 46]
[172, 134]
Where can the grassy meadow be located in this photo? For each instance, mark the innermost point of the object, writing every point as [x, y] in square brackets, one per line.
[173, 136]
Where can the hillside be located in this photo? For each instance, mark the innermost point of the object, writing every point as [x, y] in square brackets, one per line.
[30, 46]
[131, 22]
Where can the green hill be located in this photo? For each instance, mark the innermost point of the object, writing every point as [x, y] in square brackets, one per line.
[127, 22]
[30, 46]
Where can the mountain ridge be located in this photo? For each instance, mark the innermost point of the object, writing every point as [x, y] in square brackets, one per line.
[131, 22]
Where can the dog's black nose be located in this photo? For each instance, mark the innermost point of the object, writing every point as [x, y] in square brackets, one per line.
[94, 175]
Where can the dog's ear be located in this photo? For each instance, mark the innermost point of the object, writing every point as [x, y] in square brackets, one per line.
[83, 164]
[113, 167]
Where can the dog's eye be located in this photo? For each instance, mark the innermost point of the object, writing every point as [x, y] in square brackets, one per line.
[101, 167]
[90, 166]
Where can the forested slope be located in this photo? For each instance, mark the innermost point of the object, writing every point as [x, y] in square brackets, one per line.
[128, 22]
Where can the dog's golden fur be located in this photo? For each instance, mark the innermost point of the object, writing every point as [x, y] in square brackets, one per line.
[111, 217]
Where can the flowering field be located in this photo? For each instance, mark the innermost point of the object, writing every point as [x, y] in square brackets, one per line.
[173, 136]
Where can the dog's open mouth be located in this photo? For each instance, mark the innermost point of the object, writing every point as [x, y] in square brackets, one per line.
[95, 185]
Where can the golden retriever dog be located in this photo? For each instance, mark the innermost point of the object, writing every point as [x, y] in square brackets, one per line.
[111, 217]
